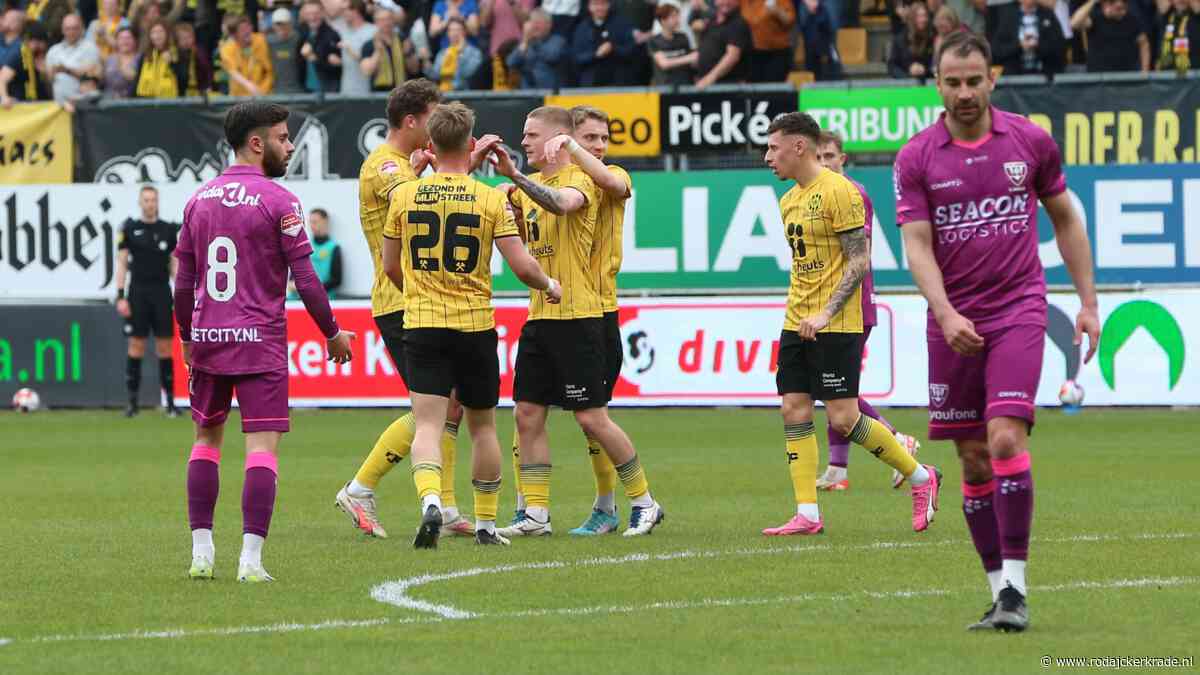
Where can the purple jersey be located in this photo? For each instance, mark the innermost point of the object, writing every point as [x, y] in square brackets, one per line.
[982, 200]
[241, 232]
[868, 283]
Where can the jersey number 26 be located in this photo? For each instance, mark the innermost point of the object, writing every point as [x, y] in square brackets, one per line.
[457, 235]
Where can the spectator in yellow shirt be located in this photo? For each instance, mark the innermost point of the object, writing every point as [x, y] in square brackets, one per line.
[246, 58]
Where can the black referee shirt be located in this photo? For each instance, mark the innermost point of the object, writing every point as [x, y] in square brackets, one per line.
[150, 246]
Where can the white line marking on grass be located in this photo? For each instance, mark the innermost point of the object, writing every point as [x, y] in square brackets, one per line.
[5, 641]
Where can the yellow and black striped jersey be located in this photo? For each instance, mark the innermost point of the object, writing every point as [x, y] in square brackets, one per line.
[606, 245]
[383, 170]
[446, 224]
[813, 216]
[562, 246]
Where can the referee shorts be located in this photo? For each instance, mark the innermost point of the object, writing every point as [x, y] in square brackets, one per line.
[150, 310]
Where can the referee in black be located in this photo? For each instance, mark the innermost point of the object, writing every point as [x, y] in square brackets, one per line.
[144, 258]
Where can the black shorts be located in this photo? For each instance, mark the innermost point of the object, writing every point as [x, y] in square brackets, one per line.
[391, 329]
[562, 363]
[614, 353]
[150, 309]
[826, 369]
[441, 360]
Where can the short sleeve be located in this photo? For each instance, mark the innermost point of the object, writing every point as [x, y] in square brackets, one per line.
[582, 182]
[288, 216]
[172, 237]
[390, 174]
[912, 203]
[1050, 180]
[439, 8]
[392, 227]
[123, 237]
[503, 223]
[368, 49]
[847, 209]
[13, 61]
[624, 176]
[741, 37]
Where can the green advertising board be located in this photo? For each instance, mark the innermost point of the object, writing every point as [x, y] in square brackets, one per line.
[873, 119]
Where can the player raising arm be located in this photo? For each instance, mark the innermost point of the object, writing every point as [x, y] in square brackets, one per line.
[438, 247]
[967, 192]
[241, 235]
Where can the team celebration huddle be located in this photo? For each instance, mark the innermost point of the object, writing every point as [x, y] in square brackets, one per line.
[432, 230]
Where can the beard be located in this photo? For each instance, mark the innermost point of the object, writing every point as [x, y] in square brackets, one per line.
[274, 164]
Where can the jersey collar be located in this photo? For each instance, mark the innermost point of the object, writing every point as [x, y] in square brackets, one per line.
[244, 170]
[1000, 125]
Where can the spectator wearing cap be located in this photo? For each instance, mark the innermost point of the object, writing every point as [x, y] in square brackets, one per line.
[1117, 40]
[246, 58]
[674, 59]
[319, 59]
[1179, 31]
[458, 62]
[23, 77]
[388, 59]
[602, 46]
[771, 23]
[1029, 41]
[912, 50]
[284, 43]
[74, 63]
[539, 56]
[356, 34]
[725, 47]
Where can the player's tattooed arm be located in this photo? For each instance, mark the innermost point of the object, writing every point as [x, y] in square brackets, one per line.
[856, 249]
[543, 195]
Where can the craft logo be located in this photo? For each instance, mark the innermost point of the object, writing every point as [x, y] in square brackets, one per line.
[1124, 322]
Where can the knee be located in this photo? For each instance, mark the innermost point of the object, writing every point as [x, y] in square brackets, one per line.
[842, 422]
[976, 465]
[591, 422]
[163, 348]
[526, 417]
[796, 410]
[137, 347]
[1005, 441]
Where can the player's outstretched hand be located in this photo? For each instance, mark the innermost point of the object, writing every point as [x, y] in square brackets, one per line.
[556, 144]
[339, 346]
[483, 147]
[422, 158]
[1088, 321]
[554, 292]
[810, 326]
[502, 161]
[960, 334]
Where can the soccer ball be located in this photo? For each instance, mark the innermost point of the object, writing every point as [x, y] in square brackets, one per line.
[26, 400]
[1070, 393]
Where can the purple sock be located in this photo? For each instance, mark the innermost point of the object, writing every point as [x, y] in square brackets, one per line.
[203, 484]
[839, 449]
[1014, 505]
[870, 411]
[258, 493]
[981, 521]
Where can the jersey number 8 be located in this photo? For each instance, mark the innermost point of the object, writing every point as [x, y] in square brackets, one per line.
[455, 238]
[221, 268]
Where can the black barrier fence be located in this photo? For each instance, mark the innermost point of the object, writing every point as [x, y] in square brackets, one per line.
[71, 354]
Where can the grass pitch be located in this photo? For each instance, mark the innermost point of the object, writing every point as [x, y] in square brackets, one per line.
[95, 546]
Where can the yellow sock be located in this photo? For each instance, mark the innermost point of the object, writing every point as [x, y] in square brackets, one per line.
[391, 449]
[535, 485]
[449, 450]
[872, 435]
[634, 478]
[602, 468]
[487, 498]
[427, 476]
[802, 461]
[516, 460]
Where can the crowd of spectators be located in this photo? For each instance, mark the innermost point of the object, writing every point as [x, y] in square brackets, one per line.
[76, 50]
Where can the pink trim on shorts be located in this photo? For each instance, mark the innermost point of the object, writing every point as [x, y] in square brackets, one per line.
[971, 145]
[993, 404]
[262, 458]
[956, 425]
[1011, 466]
[265, 419]
[978, 489]
[221, 414]
[205, 453]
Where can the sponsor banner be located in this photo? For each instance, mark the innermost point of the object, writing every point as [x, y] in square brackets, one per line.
[71, 355]
[720, 121]
[873, 119]
[1112, 122]
[693, 231]
[186, 142]
[633, 126]
[36, 144]
[723, 351]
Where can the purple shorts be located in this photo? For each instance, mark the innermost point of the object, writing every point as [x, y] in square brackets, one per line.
[967, 391]
[262, 397]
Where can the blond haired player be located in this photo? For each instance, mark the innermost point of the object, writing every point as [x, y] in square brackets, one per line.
[438, 247]
[556, 360]
[819, 349]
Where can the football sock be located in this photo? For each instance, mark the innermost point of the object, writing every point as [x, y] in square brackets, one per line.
[133, 378]
[996, 581]
[839, 453]
[802, 461]
[605, 474]
[203, 485]
[870, 411]
[449, 445]
[809, 511]
[1014, 514]
[487, 499]
[427, 476]
[634, 479]
[979, 510]
[357, 489]
[538, 513]
[166, 379]
[251, 550]
[875, 437]
[202, 544]
[535, 485]
[258, 492]
[516, 463]
[392, 447]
